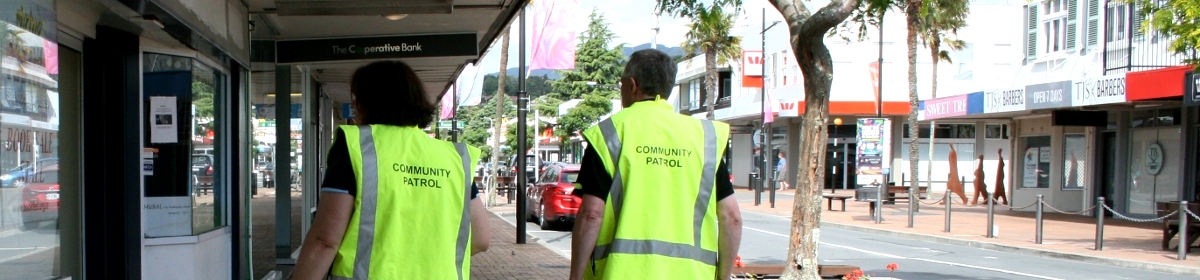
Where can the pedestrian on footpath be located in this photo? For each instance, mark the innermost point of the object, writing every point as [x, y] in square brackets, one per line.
[657, 200]
[395, 203]
[780, 167]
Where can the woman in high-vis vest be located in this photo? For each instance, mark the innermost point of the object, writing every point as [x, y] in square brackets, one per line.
[395, 203]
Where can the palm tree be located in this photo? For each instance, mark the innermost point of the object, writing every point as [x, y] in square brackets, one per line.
[940, 20]
[912, 13]
[709, 33]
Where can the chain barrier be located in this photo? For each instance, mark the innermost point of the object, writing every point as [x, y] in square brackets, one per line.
[1010, 208]
[922, 201]
[1154, 220]
[1190, 213]
[1069, 213]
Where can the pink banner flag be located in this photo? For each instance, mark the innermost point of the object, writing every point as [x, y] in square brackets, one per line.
[447, 105]
[50, 55]
[768, 109]
[555, 26]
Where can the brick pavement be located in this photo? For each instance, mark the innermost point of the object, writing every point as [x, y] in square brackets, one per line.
[505, 259]
[1126, 244]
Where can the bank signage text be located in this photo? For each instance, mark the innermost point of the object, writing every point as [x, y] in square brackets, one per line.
[365, 48]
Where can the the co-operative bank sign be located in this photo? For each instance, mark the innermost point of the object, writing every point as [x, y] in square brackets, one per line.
[365, 48]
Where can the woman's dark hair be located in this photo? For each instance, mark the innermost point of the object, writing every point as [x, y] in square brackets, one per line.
[389, 92]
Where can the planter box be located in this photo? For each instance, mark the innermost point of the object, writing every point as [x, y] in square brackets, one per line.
[773, 271]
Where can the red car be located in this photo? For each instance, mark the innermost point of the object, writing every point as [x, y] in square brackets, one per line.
[40, 198]
[550, 200]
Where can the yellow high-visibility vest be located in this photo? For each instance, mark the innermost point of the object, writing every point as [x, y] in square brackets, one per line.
[660, 216]
[411, 215]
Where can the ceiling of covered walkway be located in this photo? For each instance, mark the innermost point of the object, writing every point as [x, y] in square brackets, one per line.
[316, 19]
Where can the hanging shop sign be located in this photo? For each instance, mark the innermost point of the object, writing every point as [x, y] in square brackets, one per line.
[1097, 91]
[790, 107]
[366, 48]
[874, 146]
[1191, 96]
[1004, 100]
[1048, 95]
[1154, 158]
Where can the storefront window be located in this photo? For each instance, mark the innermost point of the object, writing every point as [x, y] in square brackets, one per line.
[1035, 162]
[1153, 175]
[1074, 156]
[997, 131]
[185, 188]
[29, 124]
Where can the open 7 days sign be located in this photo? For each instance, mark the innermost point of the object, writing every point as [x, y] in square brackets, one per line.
[363, 48]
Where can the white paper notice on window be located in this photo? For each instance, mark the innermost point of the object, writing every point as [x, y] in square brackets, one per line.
[163, 120]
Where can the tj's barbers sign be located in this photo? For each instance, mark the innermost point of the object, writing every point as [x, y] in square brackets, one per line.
[1005, 100]
[360, 48]
[1104, 90]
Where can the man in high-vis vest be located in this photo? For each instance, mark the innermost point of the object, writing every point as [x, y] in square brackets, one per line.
[395, 203]
[657, 200]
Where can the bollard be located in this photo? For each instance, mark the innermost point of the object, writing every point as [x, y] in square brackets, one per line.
[754, 185]
[879, 190]
[991, 211]
[913, 200]
[1039, 220]
[1183, 230]
[1100, 223]
[948, 202]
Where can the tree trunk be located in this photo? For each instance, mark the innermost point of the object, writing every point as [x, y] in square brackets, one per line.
[499, 120]
[935, 48]
[912, 13]
[808, 41]
[710, 81]
[817, 66]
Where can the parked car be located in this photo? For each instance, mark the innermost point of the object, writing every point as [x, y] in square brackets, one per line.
[550, 198]
[40, 198]
[531, 166]
[17, 176]
[202, 172]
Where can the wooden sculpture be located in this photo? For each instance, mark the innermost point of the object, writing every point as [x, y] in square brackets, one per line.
[980, 186]
[999, 193]
[954, 184]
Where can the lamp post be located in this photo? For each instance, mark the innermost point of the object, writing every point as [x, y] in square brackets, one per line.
[836, 123]
[766, 129]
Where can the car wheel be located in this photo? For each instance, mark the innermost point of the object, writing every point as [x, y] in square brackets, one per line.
[546, 224]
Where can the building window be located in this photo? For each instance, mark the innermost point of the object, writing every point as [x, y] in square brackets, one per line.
[1116, 18]
[1153, 118]
[1035, 162]
[726, 84]
[964, 59]
[997, 131]
[1074, 156]
[1054, 26]
[694, 94]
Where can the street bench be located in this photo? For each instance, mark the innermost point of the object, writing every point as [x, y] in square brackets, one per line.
[1171, 225]
[830, 197]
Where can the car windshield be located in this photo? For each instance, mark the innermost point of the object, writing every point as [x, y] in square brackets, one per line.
[199, 160]
[569, 177]
[47, 177]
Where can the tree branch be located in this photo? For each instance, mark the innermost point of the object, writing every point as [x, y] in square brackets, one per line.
[828, 17]
[794, 14]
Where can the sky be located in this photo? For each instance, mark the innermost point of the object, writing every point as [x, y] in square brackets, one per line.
[630, 21]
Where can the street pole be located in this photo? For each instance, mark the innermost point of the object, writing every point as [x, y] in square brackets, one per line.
[522, 114]
[454, 116]
[768, 171]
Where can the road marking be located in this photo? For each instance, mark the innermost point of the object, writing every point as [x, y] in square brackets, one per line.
[890, 256]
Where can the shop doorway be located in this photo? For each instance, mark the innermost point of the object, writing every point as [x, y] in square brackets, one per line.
[838, 159]
[1108, 177]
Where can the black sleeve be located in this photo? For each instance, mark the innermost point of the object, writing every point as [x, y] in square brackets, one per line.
[474, 190]
[593, 178]
[339, 175]
[724, 182]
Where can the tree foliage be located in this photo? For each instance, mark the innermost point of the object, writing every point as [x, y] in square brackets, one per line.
[536, 85]
[1180, 19]
[597, 71]
[479, 121]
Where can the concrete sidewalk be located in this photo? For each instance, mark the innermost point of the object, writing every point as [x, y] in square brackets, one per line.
[1126, 244]
[505, 259]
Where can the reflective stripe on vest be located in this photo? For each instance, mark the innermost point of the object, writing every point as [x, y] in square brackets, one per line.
[370, 198]
[655, 247]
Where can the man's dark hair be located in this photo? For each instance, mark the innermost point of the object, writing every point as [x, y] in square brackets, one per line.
[653, 70]
[389, 92]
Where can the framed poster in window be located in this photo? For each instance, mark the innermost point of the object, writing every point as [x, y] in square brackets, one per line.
[1035, 163]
